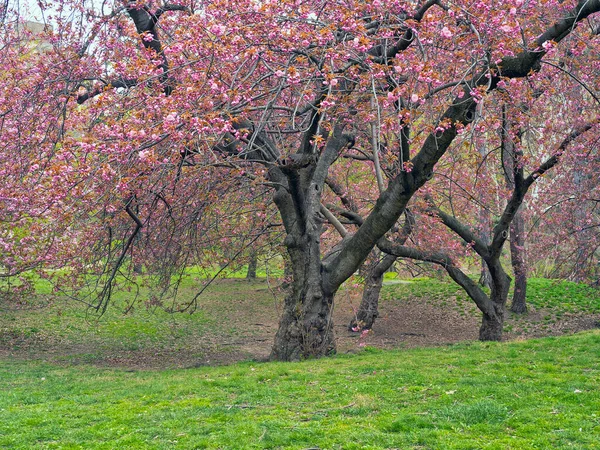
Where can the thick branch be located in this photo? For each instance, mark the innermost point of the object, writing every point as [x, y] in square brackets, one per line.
[394, 199]
[471, 288]
[406, 39]
[334, 221]
[554, 159]
[520, 65]
[463, 231]
[116, 84]
[145, 24]
[353, 217]
[501, 229]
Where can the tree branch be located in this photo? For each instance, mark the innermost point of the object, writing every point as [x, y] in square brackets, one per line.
[471, 288]
[334, 221]
[461, 112]
[463, 231]
[500, 232]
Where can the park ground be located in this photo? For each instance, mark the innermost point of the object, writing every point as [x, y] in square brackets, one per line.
[149, 379]
[236, 320]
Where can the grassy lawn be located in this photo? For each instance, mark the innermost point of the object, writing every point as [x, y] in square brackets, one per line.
[70, 332]
[559, 295]
[229, 313]
[539, 394]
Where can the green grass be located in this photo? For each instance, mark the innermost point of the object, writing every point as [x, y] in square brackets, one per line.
[540, 394]
[563, 296]
[560, 296]
[69, 330]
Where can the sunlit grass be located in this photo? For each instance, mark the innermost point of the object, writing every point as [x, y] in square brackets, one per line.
[537, 394]
[558, 295]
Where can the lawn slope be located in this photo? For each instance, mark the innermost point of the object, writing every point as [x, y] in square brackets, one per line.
[539, 394]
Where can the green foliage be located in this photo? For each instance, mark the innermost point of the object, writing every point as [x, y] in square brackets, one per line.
[525, 395]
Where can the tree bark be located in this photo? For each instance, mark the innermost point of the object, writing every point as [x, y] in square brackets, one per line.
[511, 158]
[368, 310]
[485, 279]
[517, 256]
[251, 274]
[492, 324]
[306, 326]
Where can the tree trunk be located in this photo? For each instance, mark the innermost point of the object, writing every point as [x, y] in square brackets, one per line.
[368, 310]
[491, 327]
[492, 323]
[485, 279]
[306, 326]
[517, 256]
[581, 234]
[485, 230]
[251, 274]
[137, 268]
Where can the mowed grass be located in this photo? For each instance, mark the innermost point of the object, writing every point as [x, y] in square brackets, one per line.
[559, 295]
[539, 394]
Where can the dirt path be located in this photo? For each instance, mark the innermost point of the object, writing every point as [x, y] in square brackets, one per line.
[403, 323]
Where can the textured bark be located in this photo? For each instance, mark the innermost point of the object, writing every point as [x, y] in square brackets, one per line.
[306, 326]
[492, 327]
[485, 228]
[368, 310]
[581, 233]
[251, 274]
[288, 273]
[492, 324]
[517, 256]
[513, 174]
[485, 279]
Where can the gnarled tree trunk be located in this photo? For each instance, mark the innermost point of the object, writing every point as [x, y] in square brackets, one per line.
[492, 323]
[306, 326]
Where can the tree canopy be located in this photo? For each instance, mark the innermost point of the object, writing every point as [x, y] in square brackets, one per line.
[154, 132]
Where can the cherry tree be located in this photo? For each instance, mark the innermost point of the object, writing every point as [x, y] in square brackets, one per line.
[188, 99]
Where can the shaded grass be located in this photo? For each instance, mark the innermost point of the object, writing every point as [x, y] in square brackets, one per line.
[229, 312]
[61, 326]
[563, 296]
[522, 395]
